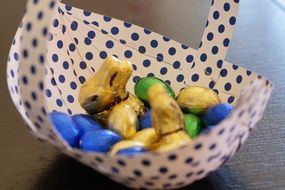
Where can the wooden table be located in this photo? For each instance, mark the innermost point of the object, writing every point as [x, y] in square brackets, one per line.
[258, 45]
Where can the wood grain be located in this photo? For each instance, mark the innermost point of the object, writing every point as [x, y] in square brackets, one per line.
[258, 45]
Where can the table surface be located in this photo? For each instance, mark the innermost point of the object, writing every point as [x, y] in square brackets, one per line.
[258, 45]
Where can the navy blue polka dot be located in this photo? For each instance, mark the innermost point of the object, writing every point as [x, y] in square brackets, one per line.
[137, 173]
[248, 72]
[136, 78]
[189, 160]
[146, 31]
[232, 20]
[82, 65]
[35, 42]
[239, 79]
[87, 41]
[163, 170]
[216, 15]
[210, 36]
[208, 71]
[189, 58]
[16, 56]
[180, 78]
[127, 25]
[128, 54]
[215, 50]
[166, 39]
[70, 99]
[184, 46]
[40, 15]
[150, 74]
[114, 30]
[61, 78]
[89, 56]
[135, 36]
[195, 77]
[211, 84]
[59, 44]
[226, 42]
[68, 7]
[74, 25]
[25, 53]
[219, 63]
[223, 72]
[146, 162]
[221, 28]
[172, 51]
[198, 146]
[227, 6]
[228, 86]
[107, 19]
[55, 57]
[172, 157]
[154, 43]
[146, 63]
[86, 13]
[34, 96]
[72, 47]
[27, 105]
[203, 57]
[176, 64]
[55, 23]
[168, 82]
[121, 163]
[91, 34]
[53, 82]
[163, 70]
[134, 67]
[95, 23]
[159, 57]
[103, 55]
[109, 44]
[48, 93]
[231, 99]
[142, 49]
[73, 85]
[82, 79]
[65, 65]
[59, 102]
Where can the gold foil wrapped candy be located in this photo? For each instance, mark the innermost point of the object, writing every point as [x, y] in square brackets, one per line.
[123, 120]
[146, 136]
[106, 87]
[173, 141]
[166, 114]
[197, 99]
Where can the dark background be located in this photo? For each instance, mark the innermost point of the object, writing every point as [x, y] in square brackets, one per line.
[258, 44]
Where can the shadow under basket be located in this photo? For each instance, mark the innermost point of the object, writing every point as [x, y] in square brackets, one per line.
[58, 46]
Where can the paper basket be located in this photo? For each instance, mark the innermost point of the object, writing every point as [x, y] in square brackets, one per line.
[58, 46]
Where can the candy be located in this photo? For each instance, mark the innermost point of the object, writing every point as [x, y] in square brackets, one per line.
[143, 85]
[132, 151]
[192, 124]
[107, 87]
[131, 101]
[103, 116]
[99, 140]
[65, 127]
[135, 103]
[145, 120]
[85, 123]
[124, 145]
[197, 99]
[146, 136]
[216, 114]
[166, 114]
[123, 120]
[173, 141]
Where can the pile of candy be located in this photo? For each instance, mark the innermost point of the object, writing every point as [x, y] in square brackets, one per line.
[120, 123]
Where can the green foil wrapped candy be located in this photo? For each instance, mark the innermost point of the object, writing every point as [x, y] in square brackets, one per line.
[192, 124]
[142, 86]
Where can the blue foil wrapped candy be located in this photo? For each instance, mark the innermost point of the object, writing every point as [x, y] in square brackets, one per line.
[66, 127]
[145, 121]
[132, 151]
[217, 113]
[99, 140]
[85, 123]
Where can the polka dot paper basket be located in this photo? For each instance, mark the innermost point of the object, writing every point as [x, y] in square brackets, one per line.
[57, 47]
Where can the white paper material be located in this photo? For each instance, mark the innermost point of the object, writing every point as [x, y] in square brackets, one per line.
[45, 71]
